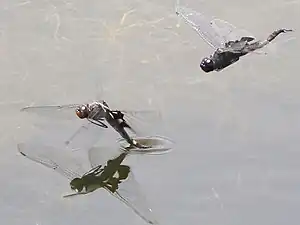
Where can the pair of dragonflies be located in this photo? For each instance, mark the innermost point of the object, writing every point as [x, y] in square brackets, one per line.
[115, 177]
[99, 115]
[112, 175]
[229, 42]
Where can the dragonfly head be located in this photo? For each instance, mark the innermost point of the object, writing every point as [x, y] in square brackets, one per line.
[82, 111]
[207, 65]
[76, 185]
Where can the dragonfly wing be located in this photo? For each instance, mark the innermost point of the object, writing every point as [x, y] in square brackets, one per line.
[129, 192]
[202, 25]
[53, 111]
[52, 158]
[231, 33]
[85, 137]
[142, 121]
[217, 32]
[100, 155]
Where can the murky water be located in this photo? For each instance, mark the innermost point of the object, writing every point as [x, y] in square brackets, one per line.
[236, 132]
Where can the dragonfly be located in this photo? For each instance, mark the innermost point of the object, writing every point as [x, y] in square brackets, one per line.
[106, 172]
[228, 42]
[99, 113]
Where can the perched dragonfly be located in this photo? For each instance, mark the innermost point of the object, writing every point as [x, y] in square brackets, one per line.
[229, 43]
[115, 177]
[97, 113]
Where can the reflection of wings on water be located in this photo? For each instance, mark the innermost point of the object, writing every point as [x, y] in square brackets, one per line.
[129, 191]
[62, 162]
[215, 32]
[53, 158]
[130, 194]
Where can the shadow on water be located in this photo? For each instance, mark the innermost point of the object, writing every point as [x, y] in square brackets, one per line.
[105, 172]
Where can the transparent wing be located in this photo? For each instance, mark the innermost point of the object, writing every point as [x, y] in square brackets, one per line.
[53, 158]
[53, 111]
[229, 32]
[85, 137]
[216, 32]
[129, 191]
[202, 25]
[232, 33]
[49, 108]
[100, 155]
[143, 121]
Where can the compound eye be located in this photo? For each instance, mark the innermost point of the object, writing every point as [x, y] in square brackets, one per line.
[82, 112]
[208, 61]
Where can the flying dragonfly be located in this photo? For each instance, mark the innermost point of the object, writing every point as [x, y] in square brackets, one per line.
[97, 113]
[115, 177]
[229, 43]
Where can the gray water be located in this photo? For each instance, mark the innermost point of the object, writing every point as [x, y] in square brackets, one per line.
[235, 161]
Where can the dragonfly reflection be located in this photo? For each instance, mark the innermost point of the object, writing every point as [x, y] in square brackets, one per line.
[115, 177]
